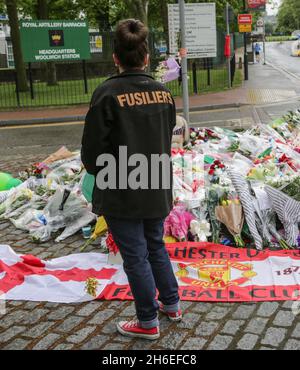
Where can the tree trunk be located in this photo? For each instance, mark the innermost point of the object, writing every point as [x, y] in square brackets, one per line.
[103, 17]
[12, 13]
[104, 29]
[140, 10]
[49, 68]
[51, 74]
[42, 9]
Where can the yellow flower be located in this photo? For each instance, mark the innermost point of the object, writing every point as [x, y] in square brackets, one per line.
[100, 229]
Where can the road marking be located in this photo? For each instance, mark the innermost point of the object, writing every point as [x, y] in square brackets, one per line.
[42, 125]
[214, 110]
[284, 70]
[284, 102]
[229, 123]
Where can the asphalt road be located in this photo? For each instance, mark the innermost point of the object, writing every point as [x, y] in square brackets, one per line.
[46, 138]
[39, 139]
[279, 54]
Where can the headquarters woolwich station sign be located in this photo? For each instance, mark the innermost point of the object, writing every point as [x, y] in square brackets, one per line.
[48, 41]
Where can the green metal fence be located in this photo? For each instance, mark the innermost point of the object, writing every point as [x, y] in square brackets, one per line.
[73, 88]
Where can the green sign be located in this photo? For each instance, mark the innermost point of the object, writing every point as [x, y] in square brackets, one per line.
[47, 41]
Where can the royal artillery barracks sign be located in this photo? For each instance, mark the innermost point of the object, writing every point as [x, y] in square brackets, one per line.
[48, 41]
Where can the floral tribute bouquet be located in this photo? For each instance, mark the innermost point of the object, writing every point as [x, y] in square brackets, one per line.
[177, 224]
[230, 213]
[284, 193]
[167, 71]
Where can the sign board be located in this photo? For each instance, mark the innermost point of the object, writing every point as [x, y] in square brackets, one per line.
[256, 5]
[245, 19]
[45, 41]
[201, 30]
[99, 43]
[260, 22]
[3, 17]
[259, 31]
[96, 43]
[245, 28]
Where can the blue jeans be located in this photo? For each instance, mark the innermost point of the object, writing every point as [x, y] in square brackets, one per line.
[147, 266]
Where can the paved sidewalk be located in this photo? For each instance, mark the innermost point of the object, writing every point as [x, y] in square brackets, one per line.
[76, 113]
[266, 85]
[40, 325]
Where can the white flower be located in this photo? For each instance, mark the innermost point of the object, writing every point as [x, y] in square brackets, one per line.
[200, 229]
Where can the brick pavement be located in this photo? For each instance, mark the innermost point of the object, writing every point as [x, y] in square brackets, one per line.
[212, 326]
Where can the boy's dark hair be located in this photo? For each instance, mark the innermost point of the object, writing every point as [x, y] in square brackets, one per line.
[131, 44]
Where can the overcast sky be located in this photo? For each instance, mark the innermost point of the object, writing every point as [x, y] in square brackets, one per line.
[273, 11]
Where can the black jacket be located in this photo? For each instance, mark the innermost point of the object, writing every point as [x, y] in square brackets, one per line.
[132, 110]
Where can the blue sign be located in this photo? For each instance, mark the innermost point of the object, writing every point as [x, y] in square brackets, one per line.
[163, 49]
[3, 17]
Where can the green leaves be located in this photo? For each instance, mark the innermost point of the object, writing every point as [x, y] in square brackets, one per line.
[289, 16]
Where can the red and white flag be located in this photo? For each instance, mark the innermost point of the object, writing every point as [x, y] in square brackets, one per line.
[205, 272]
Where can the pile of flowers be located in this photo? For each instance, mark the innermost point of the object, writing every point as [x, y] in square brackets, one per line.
[236, 189]
[250, 186]
[50, 200]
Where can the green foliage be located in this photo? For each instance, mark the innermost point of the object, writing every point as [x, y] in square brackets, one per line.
[57, 9]
[2, 7]
[270, 28]
[106, 13]
[278, 38]
[289, 16]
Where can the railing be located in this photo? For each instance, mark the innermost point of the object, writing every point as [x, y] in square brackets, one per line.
[77, 81]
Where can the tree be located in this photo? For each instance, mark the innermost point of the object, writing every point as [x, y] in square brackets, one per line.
[289, 16]
[56, 9]
[49, 9]
[97, 12]
[270, 28]
[139, 9]
[42, 12]
[12, 12]
[2, 7]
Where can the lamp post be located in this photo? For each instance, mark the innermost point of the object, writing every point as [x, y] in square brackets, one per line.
[246, 72]
[228, 35]
[183, 54]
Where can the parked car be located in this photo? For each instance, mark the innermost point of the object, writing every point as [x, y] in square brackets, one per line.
[296, 35]
[296, 48]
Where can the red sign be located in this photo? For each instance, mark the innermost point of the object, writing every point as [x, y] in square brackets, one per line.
[245, 19]
[227, 51]
[257, 4]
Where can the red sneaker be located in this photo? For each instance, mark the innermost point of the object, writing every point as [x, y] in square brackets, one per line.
[133, 329]
[173, 316]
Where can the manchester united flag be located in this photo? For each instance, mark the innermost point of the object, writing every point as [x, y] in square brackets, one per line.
[205, 272]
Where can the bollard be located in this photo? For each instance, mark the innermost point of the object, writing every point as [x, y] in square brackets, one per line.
[195, 85]
[240, 63]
